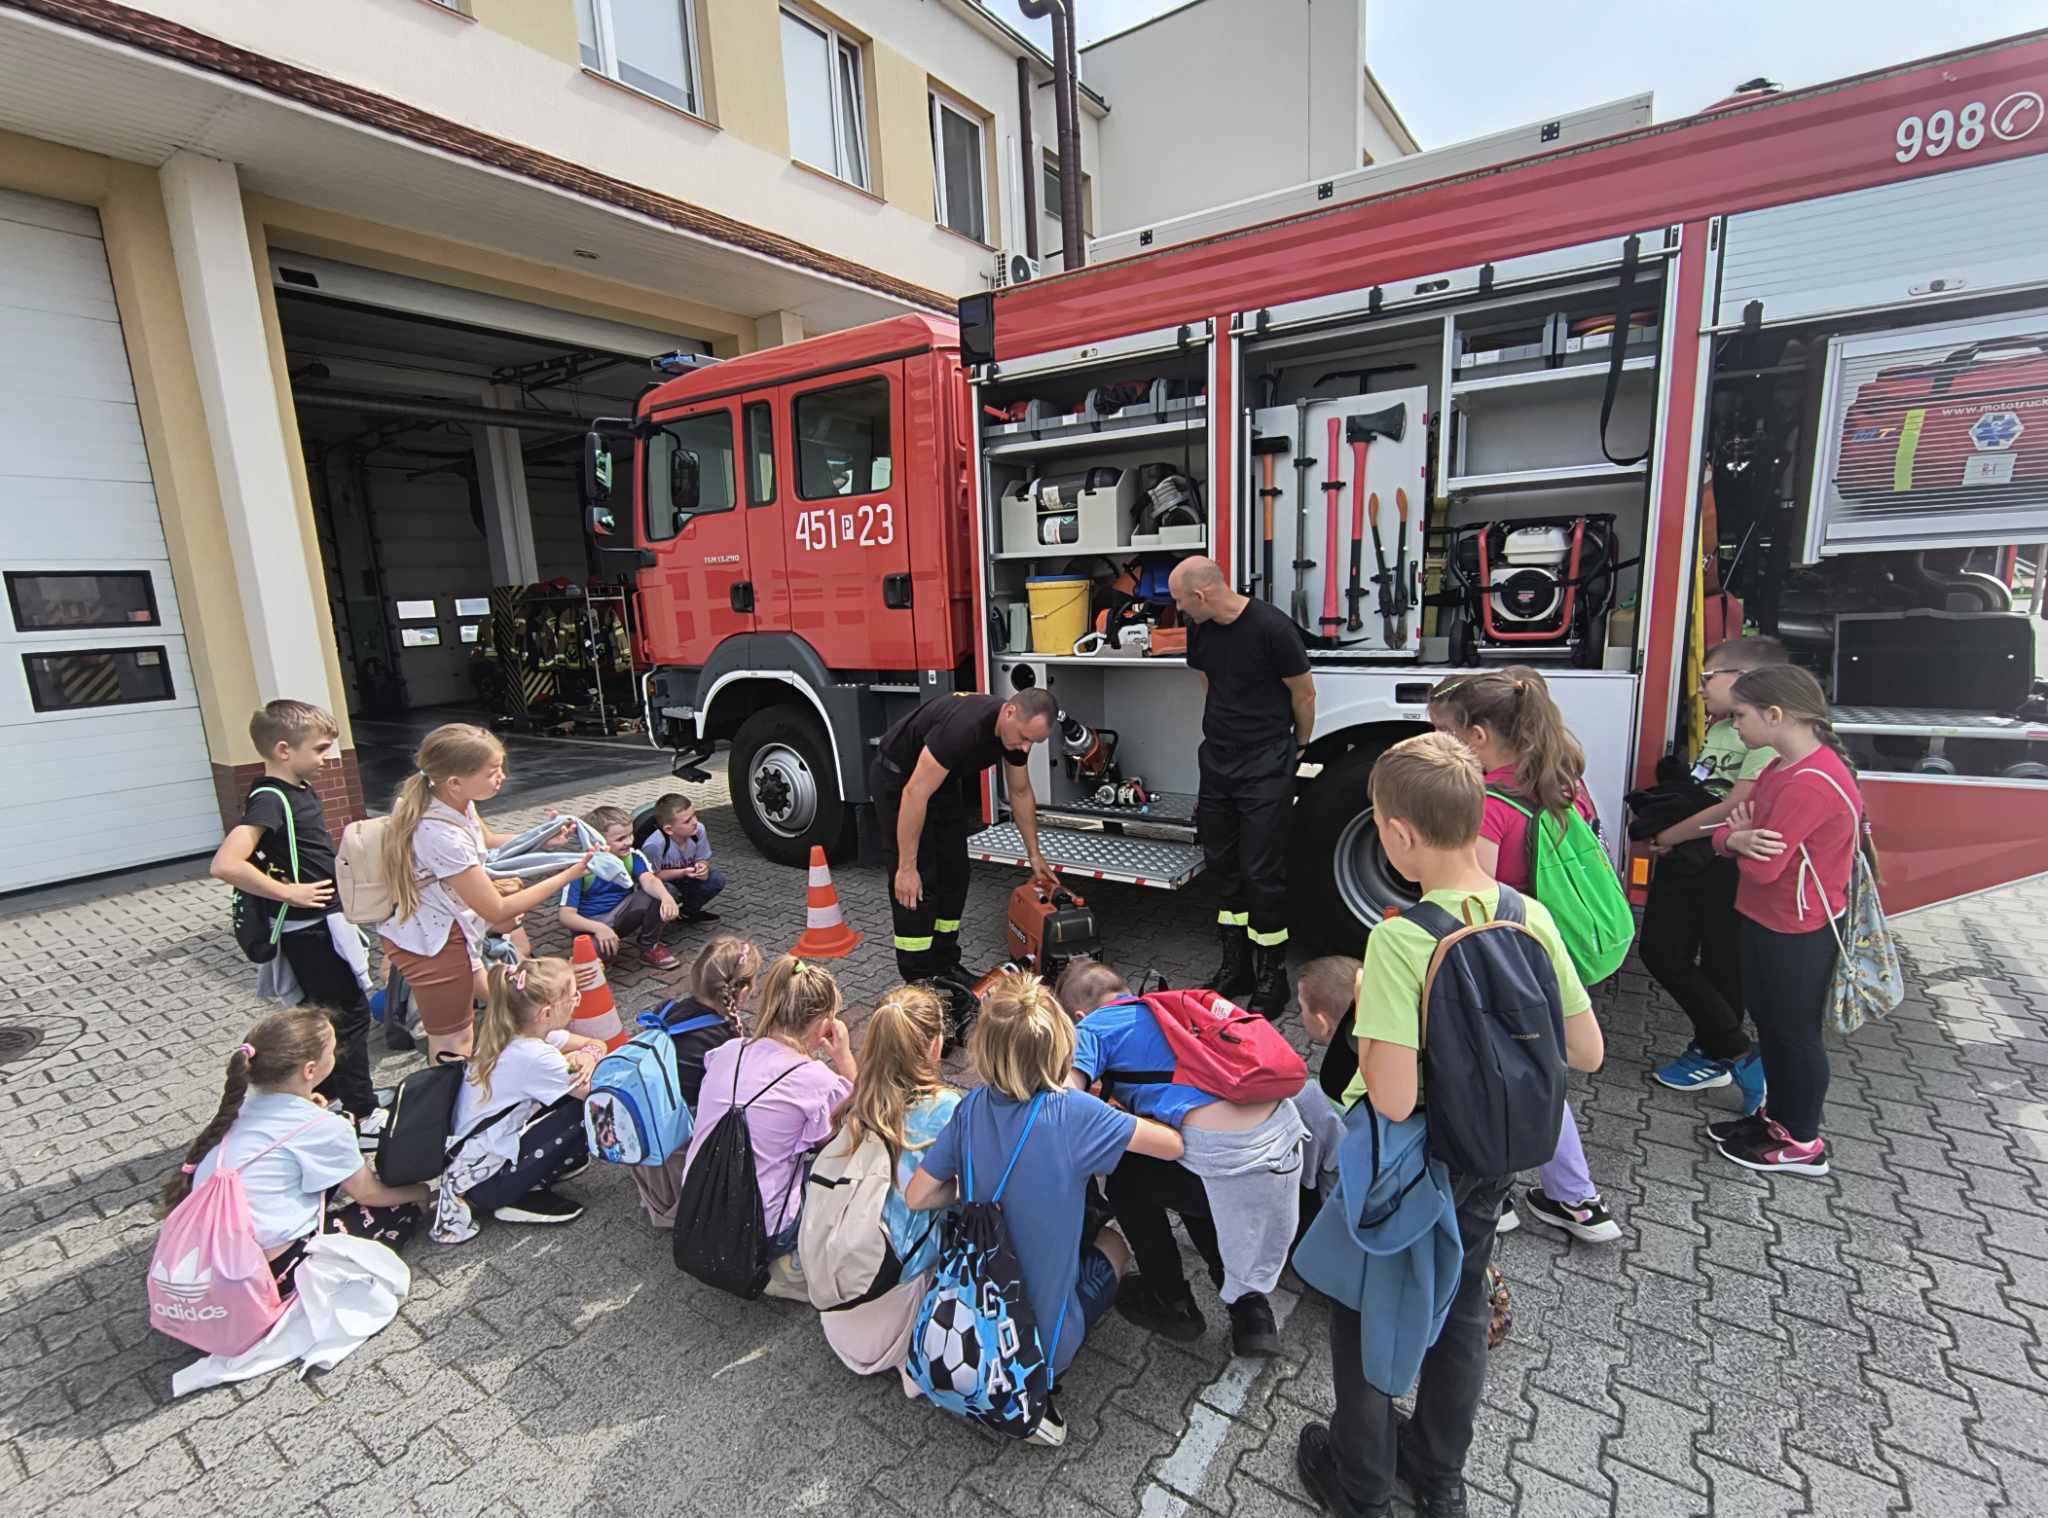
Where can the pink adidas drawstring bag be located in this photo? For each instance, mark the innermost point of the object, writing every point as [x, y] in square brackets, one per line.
[209, 1283]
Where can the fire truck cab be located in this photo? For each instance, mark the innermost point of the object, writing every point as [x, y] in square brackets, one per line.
[799, 530]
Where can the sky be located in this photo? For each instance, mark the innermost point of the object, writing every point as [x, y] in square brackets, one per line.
[1540, 58]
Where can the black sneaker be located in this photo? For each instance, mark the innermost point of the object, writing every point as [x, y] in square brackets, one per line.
[1739, 1130]
[700, 917]
[1178, 1319]
[1442, 1499]
[539, 1207]
[1589, 1220]
[1253, 1333]
[1317, 1467]
[573, 1169]
[397, 1040]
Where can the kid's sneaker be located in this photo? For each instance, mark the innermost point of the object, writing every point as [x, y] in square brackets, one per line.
[540, 1208]
[1589, 1220]
[655, 957]
[1509, 1219]
[1693, 1070]
[1775, 1149]
[1748, 1074]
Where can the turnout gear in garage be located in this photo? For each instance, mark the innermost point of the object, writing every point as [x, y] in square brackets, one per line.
[963, 735]
[1255, 669]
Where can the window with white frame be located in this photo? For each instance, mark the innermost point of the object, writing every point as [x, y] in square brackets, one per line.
[1051, 193]
[957, 160]
[650, 45]
[828, 116]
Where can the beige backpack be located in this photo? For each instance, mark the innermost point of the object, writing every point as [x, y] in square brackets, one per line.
[359, 885]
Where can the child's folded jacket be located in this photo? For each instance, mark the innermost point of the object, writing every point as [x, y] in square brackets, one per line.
[1254, 1183]
[1387, 1245]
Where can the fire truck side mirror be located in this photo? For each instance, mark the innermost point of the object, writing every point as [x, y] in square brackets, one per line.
[597, 480]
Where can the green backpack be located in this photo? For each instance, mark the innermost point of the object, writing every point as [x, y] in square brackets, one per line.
[1570, 874]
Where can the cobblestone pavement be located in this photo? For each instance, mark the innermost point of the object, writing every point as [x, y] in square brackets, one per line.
[1867, 1343]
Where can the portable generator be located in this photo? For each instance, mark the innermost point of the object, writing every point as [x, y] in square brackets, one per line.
[1049, 930]
[1536, 589]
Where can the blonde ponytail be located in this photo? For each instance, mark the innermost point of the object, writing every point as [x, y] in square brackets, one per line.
[455, 748]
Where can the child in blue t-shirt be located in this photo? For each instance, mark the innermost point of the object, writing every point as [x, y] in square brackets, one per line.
[605, 909]
[1022, 1047]
[1237, 1188]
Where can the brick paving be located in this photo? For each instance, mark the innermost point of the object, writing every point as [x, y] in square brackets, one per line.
[1867, 1343]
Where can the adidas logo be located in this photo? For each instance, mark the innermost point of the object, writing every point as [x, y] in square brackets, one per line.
[187, 1279]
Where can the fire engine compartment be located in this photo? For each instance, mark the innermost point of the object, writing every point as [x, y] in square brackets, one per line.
[1873, 502]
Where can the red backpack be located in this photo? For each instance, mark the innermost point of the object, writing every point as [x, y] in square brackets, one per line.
[1220, 1048]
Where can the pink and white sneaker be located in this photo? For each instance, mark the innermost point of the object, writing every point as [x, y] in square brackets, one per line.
[1772, 1148]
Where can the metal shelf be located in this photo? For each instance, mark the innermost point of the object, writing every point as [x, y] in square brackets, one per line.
[1099, 437]
[1931, 722]
[1070, 551]
[1593, 375]
[1545, 479]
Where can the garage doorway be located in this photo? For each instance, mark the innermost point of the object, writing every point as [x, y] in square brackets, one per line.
[443, 433]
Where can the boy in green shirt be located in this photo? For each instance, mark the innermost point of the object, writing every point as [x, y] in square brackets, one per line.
[1428, 796]
[1688, 937]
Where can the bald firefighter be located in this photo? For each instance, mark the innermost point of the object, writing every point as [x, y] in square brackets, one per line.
[1258, 712]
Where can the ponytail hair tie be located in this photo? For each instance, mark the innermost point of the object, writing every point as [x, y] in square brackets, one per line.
[247, 1051]
[189, 1169]
[518, 978]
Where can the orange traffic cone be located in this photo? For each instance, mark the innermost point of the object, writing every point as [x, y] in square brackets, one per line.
[826, 935]
[596, 1014]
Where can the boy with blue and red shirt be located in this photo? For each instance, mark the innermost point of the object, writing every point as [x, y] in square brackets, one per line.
[605, 909]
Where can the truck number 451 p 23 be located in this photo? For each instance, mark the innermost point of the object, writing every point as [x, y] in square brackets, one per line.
[871, 525]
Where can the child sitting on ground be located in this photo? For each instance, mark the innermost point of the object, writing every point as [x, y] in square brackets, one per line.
[1428, 799]
[1022, 1048]
[900, 1099]
[271, 1102]
[789, 1098]
[605, 909]
[721, 985]
[519, 1115]
[1240, 1175]
[680, 850]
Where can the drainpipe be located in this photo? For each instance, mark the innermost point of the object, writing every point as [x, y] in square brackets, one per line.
[1028, 151]
[1065, 71]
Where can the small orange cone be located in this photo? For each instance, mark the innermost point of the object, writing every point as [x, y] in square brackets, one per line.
[826, 935]
[597, 1016]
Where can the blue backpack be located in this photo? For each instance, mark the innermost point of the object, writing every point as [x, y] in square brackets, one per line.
[635, 1113]
[1492, 1041]
[974, 1349]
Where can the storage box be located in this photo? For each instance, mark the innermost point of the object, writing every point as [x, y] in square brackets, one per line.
[1945, 660]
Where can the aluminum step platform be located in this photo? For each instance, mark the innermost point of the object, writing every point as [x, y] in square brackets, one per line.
[1153, 862]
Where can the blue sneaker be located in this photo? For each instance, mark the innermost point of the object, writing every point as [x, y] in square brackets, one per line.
[1748, 1075]
[1693, 1071]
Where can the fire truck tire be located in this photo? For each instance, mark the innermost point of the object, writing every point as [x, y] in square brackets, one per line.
[1338, 893]
[784, 787]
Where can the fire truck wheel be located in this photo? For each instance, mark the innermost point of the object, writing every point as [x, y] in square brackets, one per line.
[1337, 894]
[784, 787]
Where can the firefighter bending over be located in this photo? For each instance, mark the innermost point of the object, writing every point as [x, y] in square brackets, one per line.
[924, 781]
[1258, 712]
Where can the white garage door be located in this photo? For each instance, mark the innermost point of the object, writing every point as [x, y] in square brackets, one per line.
[103, 761]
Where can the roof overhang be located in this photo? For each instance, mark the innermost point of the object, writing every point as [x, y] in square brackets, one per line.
[108, 79]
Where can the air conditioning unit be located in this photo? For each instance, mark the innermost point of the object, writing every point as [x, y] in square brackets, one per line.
[1014, 269]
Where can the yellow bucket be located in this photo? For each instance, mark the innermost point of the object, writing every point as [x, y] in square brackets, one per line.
[1059, 613]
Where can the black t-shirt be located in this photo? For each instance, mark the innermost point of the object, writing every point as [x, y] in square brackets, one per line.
[959, 730]
[1246, 661]
[691, 1047]
[273, 853]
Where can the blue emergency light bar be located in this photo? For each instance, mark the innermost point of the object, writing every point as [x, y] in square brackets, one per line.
[679, 363]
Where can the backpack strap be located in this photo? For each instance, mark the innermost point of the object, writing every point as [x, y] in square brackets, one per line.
[695, 1024]
[967, 1152]
[222, 1163]
[765, 1089]
[1507, 910]
[291, 838]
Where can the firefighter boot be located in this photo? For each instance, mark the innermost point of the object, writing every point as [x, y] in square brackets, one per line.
[1233, 977]
[1269, 974]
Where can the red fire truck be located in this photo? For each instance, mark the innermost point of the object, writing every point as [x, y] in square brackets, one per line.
[1784, 363]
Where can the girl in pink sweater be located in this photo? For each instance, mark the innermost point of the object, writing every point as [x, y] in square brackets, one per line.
[1794, 842]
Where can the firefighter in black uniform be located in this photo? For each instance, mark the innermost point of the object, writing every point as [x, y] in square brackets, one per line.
[924, 780]
[1258, 713]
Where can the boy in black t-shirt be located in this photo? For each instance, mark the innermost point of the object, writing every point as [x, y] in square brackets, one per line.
[256, 858]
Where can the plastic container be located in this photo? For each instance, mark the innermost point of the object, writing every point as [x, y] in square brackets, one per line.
[1059, 612]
